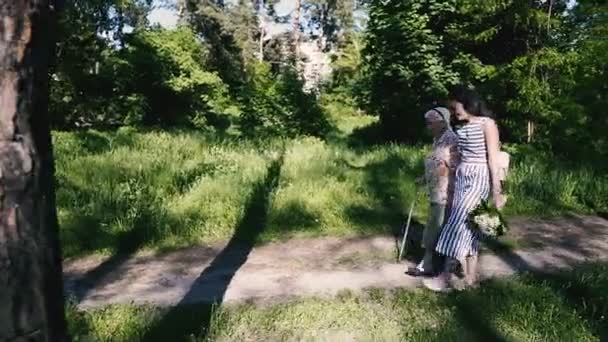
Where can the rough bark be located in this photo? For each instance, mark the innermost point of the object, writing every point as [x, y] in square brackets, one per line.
[31, 292]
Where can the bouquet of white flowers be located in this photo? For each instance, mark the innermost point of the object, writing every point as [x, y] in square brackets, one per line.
[488, 220]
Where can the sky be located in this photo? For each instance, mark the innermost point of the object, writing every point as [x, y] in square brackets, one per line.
[167, 18]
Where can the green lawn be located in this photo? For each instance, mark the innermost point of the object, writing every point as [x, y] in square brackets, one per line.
[121, 191]
[570, 306]
[162, 190]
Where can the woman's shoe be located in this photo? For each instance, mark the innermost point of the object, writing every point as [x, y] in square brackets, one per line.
[419, 271]
[437, 284]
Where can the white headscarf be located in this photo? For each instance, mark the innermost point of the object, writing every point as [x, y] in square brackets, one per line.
[439, 114]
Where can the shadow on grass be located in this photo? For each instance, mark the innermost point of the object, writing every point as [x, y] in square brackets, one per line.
[119, 218]
[473, 318]
[390, 182]
[294, 216]
[94, 141]
[366, 136]
[583, 288]
[147, 221]
[210, 287]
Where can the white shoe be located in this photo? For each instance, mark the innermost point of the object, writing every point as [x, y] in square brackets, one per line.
[419, 271]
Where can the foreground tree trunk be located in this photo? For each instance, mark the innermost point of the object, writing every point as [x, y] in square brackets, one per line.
[31, 292]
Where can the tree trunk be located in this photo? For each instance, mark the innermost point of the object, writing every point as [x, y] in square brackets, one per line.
[322, 23]
[296, 33]
[549, 19]
[530, 131]
[262, 20]
[31, 291]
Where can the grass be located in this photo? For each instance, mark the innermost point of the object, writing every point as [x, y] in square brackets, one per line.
[125, 190]
[541, 186]
[119, 192]
[122, 191]
[569, 306]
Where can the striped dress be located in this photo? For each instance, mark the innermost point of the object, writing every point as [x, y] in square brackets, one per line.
[472, 185]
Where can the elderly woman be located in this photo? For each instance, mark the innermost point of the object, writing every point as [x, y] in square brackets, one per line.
[440, 167]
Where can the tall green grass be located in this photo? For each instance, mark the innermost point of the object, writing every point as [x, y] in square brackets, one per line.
[541, 185]
[570, 306]
[126, 190]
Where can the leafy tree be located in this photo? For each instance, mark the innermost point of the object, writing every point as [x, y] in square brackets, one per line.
[278, 106]
[217, 25]
[540, 65]
[404, 67]
[179, 89]
[89, 32]
[329, 21]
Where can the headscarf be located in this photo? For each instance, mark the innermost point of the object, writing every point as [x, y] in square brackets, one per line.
[439, 114]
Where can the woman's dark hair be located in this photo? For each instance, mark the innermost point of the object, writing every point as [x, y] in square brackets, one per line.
[471, 101]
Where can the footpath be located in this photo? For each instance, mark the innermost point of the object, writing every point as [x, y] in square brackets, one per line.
[314, 267]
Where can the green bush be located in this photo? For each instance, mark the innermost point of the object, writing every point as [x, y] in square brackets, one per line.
[170, 73]
[277, 105]
[158, 78]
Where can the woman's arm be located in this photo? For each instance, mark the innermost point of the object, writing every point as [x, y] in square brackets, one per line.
[493, 147]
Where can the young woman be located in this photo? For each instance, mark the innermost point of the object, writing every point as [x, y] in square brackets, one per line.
[440, 169]
[477, 178]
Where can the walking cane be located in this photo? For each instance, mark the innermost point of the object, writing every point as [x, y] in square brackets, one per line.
[407, 226]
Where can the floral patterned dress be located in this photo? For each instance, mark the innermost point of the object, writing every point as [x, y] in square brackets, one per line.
[445, 151]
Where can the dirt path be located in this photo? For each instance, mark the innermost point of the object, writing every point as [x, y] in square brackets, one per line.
[314, 267]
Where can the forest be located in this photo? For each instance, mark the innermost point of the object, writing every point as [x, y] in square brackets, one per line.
[254, 123]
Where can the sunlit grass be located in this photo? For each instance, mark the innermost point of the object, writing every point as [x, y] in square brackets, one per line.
[132, 189]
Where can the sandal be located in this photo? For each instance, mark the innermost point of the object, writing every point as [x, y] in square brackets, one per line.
[418, 271]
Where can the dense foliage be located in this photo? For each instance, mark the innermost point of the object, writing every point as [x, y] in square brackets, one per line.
[203, 74]
[541, 65]
[538, 63]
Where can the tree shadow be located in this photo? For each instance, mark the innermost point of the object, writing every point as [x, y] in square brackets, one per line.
[587, 295]
[211, 286]
[120, 220]
[131, 204]
[390, 182]
[92, 142]
[588, 299]
[367, 136]
[293, 216]
[149, 219]
[471, 314]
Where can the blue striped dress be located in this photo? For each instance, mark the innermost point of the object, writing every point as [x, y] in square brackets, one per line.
[472, 185]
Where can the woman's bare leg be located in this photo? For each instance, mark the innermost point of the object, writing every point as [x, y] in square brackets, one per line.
[471, 270]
